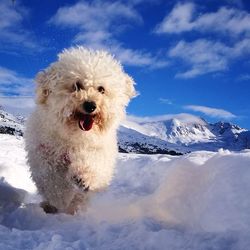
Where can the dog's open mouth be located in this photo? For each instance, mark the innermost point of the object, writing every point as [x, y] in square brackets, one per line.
[86, 122]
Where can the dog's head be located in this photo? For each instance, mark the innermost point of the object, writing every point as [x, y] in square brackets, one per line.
[84, 90]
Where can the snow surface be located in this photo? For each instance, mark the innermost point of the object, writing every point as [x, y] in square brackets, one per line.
[196, 201]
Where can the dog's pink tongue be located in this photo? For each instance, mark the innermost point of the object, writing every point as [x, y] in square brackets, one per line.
[86, 122]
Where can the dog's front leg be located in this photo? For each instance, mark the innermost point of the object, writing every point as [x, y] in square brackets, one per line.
[80, 178]
[81, 187]
[80, 183]
[79, 202]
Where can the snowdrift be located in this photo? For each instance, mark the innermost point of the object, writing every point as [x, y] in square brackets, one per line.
[196, 201]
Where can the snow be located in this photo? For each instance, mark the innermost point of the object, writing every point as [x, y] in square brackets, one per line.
[196, 201]
[10, 123]
[170, 127]
[128, 138]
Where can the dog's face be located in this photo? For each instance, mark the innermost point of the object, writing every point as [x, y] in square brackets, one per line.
[84, 90]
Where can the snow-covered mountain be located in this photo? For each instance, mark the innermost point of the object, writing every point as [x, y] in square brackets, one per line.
[132, 141]
[174, 135]
[183, 133]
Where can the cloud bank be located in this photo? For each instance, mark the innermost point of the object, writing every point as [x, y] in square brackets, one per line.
[212, 112]
[100, 26]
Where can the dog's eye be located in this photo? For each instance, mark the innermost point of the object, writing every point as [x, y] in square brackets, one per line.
[77, 86]
[101, 89]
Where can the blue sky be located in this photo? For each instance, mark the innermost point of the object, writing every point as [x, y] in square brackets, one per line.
[185, 56]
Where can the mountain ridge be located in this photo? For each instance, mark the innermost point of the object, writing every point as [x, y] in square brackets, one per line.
[185, 133]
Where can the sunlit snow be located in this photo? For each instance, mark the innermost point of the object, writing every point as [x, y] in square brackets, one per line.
[195, 201]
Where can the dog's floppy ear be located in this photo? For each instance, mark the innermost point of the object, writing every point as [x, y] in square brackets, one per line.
[130, 90]
[42, 89]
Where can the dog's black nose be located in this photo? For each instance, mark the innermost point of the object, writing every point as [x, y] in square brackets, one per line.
[89, 106]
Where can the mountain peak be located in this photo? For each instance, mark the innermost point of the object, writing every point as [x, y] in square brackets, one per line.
[189, 132]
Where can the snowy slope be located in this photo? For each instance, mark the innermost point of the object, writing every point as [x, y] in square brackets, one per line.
[196, 201]
[10, 124]
[131, 141]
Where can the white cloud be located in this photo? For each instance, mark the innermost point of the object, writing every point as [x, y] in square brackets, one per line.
[16, 92]
[99, 23]
[137, 58]
[212, 112]
[99, 27]
[25, 102]
[12, 32]
[11, 83]
[178, 20]
[17, 105]
[183, 117]
[95, 38]
[184, 18]
[96, 15]
[204, 56]
[229, 21]
[241, 48]
[165, 101]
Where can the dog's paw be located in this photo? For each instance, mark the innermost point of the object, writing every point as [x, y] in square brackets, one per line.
[78, 181]
[48, 209]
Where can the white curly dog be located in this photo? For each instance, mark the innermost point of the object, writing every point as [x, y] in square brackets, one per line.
[71, 135]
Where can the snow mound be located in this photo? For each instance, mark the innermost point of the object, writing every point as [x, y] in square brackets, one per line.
[195, 201]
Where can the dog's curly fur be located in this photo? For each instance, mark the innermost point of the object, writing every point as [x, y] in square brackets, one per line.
[64, 160]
